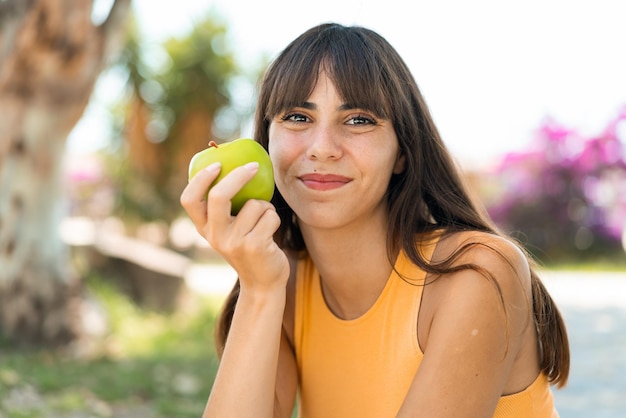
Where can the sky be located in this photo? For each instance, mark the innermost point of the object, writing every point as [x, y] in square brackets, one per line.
[490, 70]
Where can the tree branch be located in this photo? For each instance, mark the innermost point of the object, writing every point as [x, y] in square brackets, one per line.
[12, 13]
[10, 9]
[112, 33]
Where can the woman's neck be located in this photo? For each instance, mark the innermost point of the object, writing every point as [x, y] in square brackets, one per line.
[353, 263]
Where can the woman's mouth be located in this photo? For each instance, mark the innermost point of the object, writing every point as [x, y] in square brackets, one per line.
[323, 182]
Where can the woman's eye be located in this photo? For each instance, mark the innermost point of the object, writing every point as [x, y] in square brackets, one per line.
[361, 120]
[294, 117]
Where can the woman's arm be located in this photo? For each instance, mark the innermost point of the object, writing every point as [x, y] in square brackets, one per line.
[246, 379]
[245, 385]
[474, 336]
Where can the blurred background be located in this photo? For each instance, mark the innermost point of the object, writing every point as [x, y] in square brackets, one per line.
[107, 294]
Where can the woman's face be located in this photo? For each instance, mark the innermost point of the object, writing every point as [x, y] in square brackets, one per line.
[332, 161]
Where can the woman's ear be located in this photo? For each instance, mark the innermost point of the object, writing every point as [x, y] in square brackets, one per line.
[400, 164]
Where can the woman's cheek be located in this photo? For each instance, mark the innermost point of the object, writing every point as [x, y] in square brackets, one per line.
[277, 156]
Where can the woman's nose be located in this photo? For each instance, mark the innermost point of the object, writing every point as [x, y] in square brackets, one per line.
[324, 144]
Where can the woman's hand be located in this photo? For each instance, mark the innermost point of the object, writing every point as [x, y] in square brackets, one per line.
[246, 240]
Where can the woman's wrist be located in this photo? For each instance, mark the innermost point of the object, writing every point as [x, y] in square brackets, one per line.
[260, 296]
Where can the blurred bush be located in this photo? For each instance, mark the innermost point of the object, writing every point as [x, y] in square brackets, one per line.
[179, 97]
[565, 197]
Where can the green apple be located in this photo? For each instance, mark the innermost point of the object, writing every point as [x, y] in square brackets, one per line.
[232, 155]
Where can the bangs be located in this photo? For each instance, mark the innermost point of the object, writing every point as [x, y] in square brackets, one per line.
[346, 57]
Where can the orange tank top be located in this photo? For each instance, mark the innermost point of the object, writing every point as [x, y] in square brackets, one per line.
[364, 367]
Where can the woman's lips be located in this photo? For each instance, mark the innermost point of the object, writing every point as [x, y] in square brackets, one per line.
[324, 181]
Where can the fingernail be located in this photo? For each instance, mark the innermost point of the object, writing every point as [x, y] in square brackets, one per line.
[213, 167]
[253, 166]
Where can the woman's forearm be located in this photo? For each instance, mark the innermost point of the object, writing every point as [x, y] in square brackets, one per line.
[246, 378]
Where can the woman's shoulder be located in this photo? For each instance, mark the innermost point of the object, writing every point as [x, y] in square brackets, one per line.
[485, 251]
[475, 259]
[486, 275]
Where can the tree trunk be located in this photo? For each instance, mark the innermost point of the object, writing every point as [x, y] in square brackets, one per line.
[51, 55]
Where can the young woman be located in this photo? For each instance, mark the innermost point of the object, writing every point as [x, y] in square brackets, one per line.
[371, 285]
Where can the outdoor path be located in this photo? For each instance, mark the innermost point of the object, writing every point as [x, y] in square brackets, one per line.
[594, 308]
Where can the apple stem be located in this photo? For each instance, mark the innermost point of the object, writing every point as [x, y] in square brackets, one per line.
[213, 144]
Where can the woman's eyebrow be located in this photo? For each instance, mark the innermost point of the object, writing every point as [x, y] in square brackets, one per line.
[308, 106]
[313, 106]
[348, 106]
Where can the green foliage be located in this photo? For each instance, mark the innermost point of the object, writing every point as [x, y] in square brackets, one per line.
[178, 92]
[200, 70]
[148, 364]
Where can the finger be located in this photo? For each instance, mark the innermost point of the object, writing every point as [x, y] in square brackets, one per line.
[266, 226]
[254, 228]
[250, 215]
[197, 187]
[193, 197]
[220, 195]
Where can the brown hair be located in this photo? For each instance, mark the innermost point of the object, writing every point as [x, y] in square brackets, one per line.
[428, 195]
